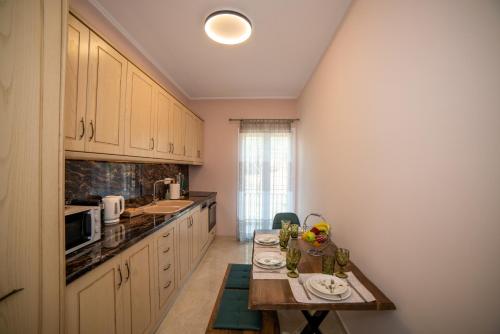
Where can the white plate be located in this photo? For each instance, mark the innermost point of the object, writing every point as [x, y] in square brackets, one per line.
[281, 265]
[266, 239]
[269, 258]
[321, 284]
[267, 244]
[343, 296]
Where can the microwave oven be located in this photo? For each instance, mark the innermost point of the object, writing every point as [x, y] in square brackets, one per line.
[82, 226]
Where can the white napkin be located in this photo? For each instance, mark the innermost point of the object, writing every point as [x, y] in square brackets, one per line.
[301, 297]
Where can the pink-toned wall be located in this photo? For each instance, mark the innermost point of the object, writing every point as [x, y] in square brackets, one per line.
[399, 146]
[220, 171]
[98, 22]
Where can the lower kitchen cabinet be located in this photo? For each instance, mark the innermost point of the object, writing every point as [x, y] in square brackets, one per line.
[115, 297]
[131, 292]
[94, 302]
[185, 241]
[138, 287]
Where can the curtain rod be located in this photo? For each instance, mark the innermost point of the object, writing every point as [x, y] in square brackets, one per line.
[264, 119]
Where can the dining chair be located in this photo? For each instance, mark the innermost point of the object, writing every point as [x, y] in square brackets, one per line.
[291, 216]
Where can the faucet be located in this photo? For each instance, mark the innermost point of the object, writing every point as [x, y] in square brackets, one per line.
[164, 181]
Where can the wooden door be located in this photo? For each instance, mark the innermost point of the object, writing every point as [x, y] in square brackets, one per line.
[105, 114]
[139, 113]
[75, 85]
[179, 148]
[94, 302]
[185, 239]
[31, 165]
[195, 231]
[164, 125]
[199, 140]
[138, 262]
[203, 228]
[189, 135]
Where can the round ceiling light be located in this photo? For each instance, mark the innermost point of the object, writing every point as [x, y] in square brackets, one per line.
[228, 27]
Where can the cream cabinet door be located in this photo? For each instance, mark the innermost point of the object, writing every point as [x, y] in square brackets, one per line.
[185, 240]
[94, 301]
[179, 145]
[199, 140]
[191, 135]
[164, 127]
[203, 227]
[107, 76]
[138, 264]
[139, 113]
[75, 85]
[195, 230]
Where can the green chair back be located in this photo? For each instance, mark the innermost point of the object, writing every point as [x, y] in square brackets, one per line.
[292, 217]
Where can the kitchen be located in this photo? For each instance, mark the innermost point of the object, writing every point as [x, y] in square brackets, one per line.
[241, 166]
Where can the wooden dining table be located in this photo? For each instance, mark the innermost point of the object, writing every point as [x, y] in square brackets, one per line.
[276, 294]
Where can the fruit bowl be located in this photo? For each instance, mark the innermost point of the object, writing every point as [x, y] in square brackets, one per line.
[318, 237]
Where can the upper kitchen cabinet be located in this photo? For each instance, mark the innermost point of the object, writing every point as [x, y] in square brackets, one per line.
[179, 126]
[164, 125]
[200, 133]
[139, 113]
[76, 85]
[115, 111]
[107, 77]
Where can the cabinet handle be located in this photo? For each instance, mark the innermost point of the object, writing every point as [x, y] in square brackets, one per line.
[13, 292]
[184, 149]
[91, 128]
[128, 271]
[167, 267]
[168, 284]
[153, 142]
[166, 250]
[166, 235]
[173, 147]
[82, 122]
[121, 278]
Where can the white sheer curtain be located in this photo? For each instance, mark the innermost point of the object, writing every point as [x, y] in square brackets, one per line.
[266, 173]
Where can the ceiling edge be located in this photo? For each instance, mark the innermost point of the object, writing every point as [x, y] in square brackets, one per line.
[136, 44]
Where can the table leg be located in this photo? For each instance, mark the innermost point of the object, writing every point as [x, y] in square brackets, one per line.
[313, 321]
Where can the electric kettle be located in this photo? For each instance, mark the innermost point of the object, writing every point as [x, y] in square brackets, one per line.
[113, 208]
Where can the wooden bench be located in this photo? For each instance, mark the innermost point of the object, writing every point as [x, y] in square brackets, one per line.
[270, 323]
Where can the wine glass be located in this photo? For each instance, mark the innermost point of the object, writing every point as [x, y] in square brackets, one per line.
[284, 237]
[285, 224]
[328, 264]
[292, 261]
[294, 231]
[342, 257]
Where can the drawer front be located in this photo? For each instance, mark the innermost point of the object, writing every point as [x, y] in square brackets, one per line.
[165, 254]
[166, 284]
[166, 238]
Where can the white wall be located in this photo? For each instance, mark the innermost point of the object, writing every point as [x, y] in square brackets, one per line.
[220, 170]
[399, 146]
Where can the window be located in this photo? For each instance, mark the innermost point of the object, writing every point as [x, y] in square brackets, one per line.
[266, 174]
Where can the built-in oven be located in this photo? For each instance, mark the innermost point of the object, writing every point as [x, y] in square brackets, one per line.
[82, 226]
[212, 214]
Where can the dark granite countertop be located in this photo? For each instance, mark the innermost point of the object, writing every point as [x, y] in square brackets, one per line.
[117, 238]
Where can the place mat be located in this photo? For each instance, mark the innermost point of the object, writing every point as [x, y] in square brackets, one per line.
[301, 297]
[259, 273]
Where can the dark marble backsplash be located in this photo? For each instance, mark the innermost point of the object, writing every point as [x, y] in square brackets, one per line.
[134, 181]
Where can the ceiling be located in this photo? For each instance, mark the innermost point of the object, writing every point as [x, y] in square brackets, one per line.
[289, 37]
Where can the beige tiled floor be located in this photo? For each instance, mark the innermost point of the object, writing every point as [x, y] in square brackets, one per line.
[191, 311]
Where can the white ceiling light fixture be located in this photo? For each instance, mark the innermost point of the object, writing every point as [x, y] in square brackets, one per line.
[228, 27]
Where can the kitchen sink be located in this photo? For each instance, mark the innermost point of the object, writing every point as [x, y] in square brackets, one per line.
[174, 202]
[167, 207]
